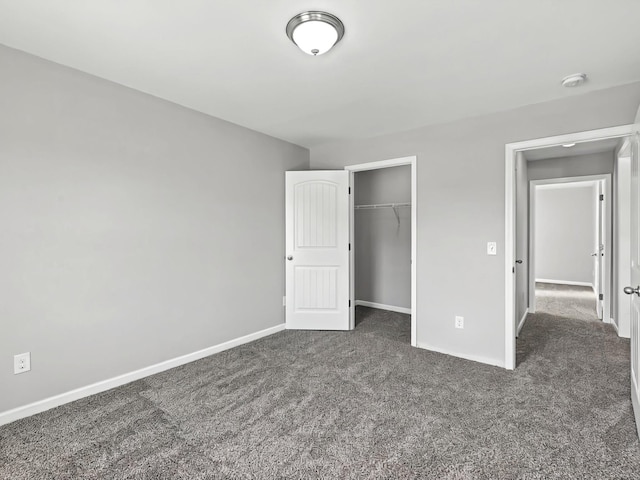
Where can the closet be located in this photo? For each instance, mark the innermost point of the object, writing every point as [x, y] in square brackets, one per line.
[382, 234]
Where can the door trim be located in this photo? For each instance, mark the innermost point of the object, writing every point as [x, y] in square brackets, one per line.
[510, 218]
[622, 221]
[395, 162]
[606, 315]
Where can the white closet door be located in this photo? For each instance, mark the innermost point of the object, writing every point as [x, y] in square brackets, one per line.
[317, 250]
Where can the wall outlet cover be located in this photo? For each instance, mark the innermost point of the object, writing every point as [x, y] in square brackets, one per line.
[21, 363]
[459, 322]
[492, 248]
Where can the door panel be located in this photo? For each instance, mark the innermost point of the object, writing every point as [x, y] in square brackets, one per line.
[317, 250]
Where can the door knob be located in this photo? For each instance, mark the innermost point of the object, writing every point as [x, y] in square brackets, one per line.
[290, 257]
[631, 290]
[518, 261]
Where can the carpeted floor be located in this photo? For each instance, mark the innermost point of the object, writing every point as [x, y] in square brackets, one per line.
[566, 301]
[347, 405]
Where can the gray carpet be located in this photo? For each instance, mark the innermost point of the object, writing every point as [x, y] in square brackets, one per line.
[349, 405]
[566, 301]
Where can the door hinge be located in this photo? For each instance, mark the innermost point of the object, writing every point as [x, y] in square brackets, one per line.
[349, 303]
[513, 269]
[349, 190]
[601, 197]
[601, 297]
[349, 247]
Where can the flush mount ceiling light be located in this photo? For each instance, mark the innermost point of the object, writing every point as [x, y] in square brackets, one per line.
[315, 32]
[574, 80]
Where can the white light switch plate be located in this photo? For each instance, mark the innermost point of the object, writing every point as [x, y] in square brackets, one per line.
[492, 248]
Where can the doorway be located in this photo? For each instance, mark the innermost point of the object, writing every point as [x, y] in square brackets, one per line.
[570, 235]
[513, 153]
[401, 211]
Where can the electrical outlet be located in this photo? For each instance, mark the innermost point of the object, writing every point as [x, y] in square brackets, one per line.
[21, 363]
[492, 248]
[459, 322]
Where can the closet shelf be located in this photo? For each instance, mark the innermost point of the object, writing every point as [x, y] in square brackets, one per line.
[394, 206]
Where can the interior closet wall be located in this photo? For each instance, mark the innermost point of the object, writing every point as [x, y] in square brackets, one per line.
[382, 241]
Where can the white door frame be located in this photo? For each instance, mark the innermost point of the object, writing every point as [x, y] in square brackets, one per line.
[414, 228]
[621, 244]
[607, 259]
[510, 217]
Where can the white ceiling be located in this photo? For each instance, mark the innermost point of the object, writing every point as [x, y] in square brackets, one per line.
[585, 148]
[401, 64]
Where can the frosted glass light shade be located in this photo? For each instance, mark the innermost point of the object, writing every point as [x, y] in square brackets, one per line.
[315, 38]
[315, 32]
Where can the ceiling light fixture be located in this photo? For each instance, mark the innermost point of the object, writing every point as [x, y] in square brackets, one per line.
[574, 80]
[568, 145]
[315, 32]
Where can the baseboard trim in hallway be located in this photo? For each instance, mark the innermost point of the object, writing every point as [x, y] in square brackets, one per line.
[565, 282]
[98, 387]
[615, 326]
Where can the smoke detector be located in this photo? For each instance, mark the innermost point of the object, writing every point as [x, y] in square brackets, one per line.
[574, 80]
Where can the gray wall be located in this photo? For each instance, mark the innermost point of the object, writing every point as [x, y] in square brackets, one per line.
[461, 206]
[133, 230]
[578, 166]
[522, 238]
[382, 246]
[565, 233]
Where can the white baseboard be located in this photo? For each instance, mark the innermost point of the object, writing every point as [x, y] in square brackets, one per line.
[522, 320]
[382, 306]
[565, 282]
[615, 326]
[473, 358]
[82, 392]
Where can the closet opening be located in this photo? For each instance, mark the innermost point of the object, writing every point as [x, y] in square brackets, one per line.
[383, 240]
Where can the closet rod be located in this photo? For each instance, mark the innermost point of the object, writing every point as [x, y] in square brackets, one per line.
[383, 205]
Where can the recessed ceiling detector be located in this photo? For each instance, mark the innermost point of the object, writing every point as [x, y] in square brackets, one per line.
[315, 33]
[568, 145]
[574, 80]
